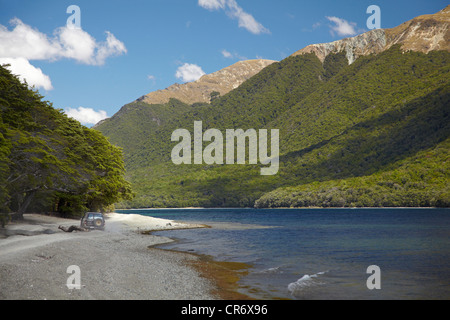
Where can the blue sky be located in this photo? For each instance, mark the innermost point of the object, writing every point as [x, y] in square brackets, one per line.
[126, 49]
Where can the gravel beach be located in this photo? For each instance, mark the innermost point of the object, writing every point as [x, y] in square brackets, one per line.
[116, 264]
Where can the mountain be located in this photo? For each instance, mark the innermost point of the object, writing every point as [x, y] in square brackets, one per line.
[205, 89]
[222, 81]
[372, 132]
[423, 34]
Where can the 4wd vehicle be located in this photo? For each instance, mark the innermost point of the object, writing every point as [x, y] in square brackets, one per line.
[93, 220]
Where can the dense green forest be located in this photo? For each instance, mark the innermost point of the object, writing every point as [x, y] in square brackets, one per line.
[51, 163]
[373, 133]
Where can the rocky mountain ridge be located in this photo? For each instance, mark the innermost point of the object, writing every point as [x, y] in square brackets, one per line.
[222, 81]
[424, 33]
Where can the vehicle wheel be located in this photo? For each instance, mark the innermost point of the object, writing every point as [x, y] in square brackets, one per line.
[98, 223]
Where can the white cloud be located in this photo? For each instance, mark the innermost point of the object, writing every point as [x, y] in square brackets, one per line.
[72, 43]
[212, 4]
[112, 47]
[152, 78]
[86, 115]
[234, 11]
[229, 55]
[24, 43]
[75, 44]
[24, 70]
[226, 54]
[189, 72]
[342, 26]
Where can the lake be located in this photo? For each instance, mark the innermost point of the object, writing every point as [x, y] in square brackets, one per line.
[323, 253]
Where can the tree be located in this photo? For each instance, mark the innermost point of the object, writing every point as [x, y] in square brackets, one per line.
[4, 170]
[214, 95]
[49, 155]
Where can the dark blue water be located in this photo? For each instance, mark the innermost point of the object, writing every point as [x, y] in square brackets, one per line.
[324, 253]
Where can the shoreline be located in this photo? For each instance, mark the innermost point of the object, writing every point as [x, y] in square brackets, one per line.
[300, 208]
[119, 263]
[224, 274]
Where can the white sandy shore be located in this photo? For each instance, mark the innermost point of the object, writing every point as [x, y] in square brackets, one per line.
[141, 223]
[117, 263]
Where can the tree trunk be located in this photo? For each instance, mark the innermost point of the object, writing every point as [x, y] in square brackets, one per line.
[24, 205]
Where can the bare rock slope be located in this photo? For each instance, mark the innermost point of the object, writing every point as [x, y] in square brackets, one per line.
[424, 33]
[222, 81]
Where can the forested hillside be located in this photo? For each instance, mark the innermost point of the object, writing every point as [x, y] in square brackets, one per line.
[373, 133]
[49, 162]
